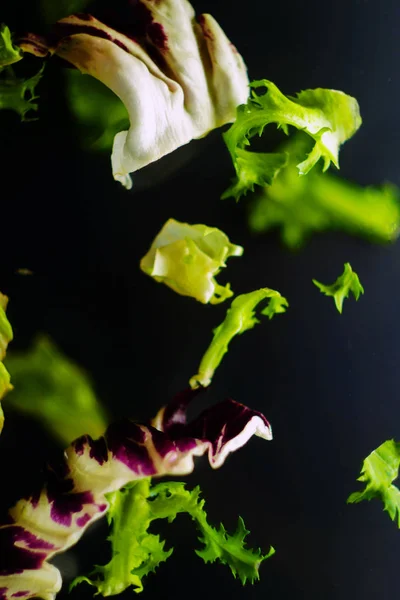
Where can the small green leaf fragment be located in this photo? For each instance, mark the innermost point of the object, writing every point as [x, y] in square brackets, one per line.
[239, 318]
[18, 94]
[378, 472]
[9, 54]
[341, 288]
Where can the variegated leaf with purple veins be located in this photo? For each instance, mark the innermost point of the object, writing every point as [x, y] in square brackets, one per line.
[178, 78]
[73, 497]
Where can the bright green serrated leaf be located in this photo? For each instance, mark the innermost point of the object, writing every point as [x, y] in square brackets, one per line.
[239, 318]
[299, 206]
[218, 544]
[344, 284]
[136, 552]
[51, 388]
[9, 54]
[329, 117]
[379, 470]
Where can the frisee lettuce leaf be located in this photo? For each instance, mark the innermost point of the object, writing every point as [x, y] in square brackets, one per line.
[300, 206]
[330, 117]
[9, 54]
[136, 552]
[341, 288]
[51, 388]
[378, 472]
[6, 336]
[239, 318]
[187, 258]
[18, 94]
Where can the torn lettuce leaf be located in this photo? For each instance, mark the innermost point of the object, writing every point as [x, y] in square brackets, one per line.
[77, 485]
[136, 552]
[378, 472]
[344, 284]
[179, 78]
[239, 318]
[299, 206]
[187, 259]
[18, 94]
[52, 389]
[9, 54]
[6, 336]
[329, 117]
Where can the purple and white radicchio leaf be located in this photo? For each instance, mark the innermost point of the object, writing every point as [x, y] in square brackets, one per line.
[73, 497]
[178, 77]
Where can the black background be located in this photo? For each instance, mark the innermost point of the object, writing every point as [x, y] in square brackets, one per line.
[328, 383]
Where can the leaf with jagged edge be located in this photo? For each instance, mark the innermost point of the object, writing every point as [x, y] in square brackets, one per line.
[378, 472]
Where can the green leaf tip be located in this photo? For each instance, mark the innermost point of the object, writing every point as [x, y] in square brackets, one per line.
[329, 117]
[341, 288]
[239, 318]
[136, 552]
[9, 54]
[378, 472]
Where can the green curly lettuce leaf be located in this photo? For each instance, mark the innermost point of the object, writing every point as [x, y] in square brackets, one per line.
[187, 258]
[9, 54]
[299, 206]
[239, 318]
[18, 94]
[341, 288]
[329, 117]
[51, 388]
[6, 336]
[378, 472]
[136, 552]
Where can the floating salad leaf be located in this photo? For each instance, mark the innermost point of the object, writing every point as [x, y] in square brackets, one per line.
[188, 257]
[330, 117]
[136, 552]
[54, 518]
[239, 318]
[6, 335]
[17, 93]
[9, 54]
[51, 388]
[300, 206]
[378, 472]
[346, 283]
[178, 78]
